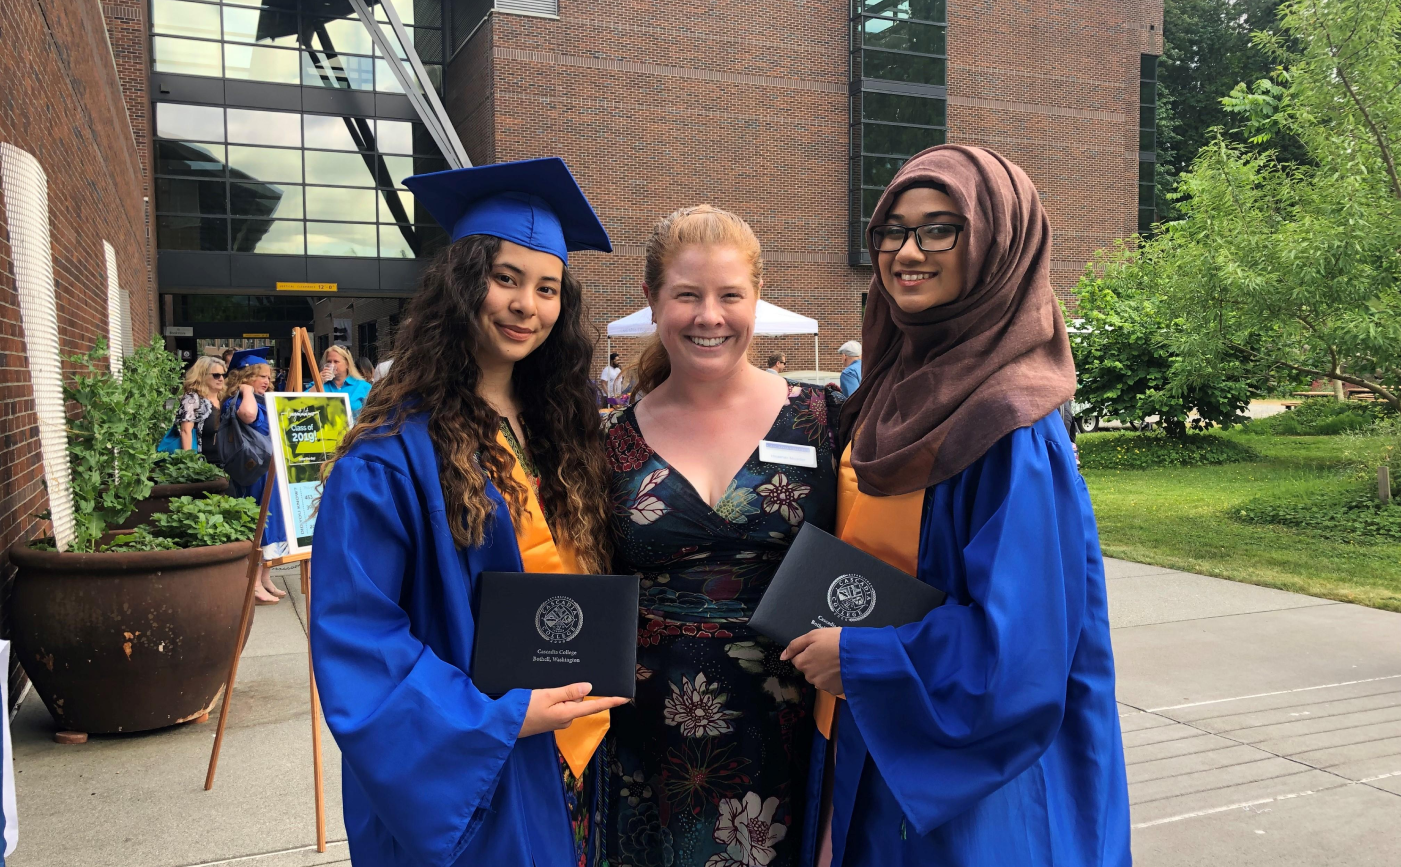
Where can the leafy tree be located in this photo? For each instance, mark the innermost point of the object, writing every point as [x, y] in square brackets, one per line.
[1295, 266]
[1206, 52]
[1124, 356]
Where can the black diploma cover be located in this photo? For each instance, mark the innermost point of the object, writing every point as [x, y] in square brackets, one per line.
[823, 581]
[538, 631]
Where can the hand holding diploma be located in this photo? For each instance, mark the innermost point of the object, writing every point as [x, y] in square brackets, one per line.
[553, 709]
[817, 654]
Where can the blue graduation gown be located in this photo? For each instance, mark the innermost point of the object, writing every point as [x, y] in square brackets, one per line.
[987, 733]
[276, 530]
[433, 771]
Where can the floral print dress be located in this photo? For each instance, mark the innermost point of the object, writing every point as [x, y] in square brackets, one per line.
[708, 767]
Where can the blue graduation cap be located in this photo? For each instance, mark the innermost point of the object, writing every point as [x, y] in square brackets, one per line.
[246, 357]
[534, 203]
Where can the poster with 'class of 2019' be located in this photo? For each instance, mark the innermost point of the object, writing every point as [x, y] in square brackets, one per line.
[307, 429]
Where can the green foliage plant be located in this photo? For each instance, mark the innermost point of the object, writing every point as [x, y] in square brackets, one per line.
[112, 441]
[183, 467]
[1353, 514]
[1295, 265]
[1323, 416]
[1124, 358]
[215, 519]
[1134, 451]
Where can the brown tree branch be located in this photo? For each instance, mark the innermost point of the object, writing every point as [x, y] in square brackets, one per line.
[1374, 387]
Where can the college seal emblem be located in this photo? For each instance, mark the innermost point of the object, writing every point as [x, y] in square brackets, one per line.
[851, 598]
[559, 619]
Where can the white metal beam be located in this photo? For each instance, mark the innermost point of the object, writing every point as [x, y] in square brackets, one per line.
[426, 104]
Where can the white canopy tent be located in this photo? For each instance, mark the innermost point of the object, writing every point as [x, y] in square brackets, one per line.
[769, 319]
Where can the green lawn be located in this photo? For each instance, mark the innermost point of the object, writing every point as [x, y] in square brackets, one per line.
[1177, 518]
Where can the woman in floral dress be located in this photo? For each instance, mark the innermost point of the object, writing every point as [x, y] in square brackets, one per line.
[708, 767]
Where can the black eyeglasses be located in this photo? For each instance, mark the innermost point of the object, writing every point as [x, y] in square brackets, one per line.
[218, 375]
[931, 238]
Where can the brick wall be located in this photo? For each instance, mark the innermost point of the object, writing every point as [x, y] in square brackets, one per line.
[128, 39]
[745, 106]
[62, 102]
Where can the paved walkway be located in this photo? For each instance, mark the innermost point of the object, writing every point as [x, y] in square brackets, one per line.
[1260, 727]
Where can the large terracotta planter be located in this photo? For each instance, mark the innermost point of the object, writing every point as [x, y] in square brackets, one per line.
[161, 495]
[125, 642]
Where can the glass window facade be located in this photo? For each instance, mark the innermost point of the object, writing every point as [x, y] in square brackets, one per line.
[898, 104]
[247, 180]
[1147, 141]
[277, 191]
[289, 42]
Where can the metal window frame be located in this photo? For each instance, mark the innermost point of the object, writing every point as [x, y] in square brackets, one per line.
[426, 104]
[860, 85]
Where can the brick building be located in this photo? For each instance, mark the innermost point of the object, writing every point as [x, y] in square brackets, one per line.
[795, 114]
[74, 99]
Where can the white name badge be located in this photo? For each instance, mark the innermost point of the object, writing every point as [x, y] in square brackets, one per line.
[787, 453]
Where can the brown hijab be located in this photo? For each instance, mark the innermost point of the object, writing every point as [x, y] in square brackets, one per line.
[943, 385]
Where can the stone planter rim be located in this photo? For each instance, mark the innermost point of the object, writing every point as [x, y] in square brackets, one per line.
[108, 562]
[186, 489]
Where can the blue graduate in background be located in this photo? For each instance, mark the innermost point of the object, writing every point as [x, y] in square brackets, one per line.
[987, 733]
[479, 451]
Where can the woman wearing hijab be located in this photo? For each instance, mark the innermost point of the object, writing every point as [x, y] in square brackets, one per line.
[986, 733]
[479, 452]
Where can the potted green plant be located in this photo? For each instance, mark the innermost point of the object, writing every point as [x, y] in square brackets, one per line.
[130, 631]
[175, 474]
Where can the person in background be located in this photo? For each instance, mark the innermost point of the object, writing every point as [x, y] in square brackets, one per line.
[366, 368]
[612, 381]
[611, 375]
[339, 376]
[228, 356]
[197, 417]
[778, 363]
[250, 378]
[851, 366]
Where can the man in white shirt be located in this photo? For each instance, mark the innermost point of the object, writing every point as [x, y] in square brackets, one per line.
[612, 377]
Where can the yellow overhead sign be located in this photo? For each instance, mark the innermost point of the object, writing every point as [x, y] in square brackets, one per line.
[306, 287]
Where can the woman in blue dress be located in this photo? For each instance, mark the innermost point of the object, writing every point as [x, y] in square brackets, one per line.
[250, 377]
[478, 451]
[987, 732]
[715, 470]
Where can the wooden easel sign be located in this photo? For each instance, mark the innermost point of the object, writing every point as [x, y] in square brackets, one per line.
[307, 428]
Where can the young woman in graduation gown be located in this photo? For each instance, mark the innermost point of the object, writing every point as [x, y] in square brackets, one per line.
[479, 451]
[987, 732]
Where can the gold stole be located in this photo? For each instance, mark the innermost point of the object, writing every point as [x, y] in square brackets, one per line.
[885, 527]
[539, 553]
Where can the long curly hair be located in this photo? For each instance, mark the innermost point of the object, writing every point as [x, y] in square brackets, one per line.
[435, 371]
[236, 378]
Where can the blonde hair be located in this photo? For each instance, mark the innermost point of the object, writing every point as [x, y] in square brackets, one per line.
[238, 377]
[352, 372]
[194, 377]
[700, 225]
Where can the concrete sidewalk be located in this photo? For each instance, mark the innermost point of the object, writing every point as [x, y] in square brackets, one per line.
[1260, 727]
